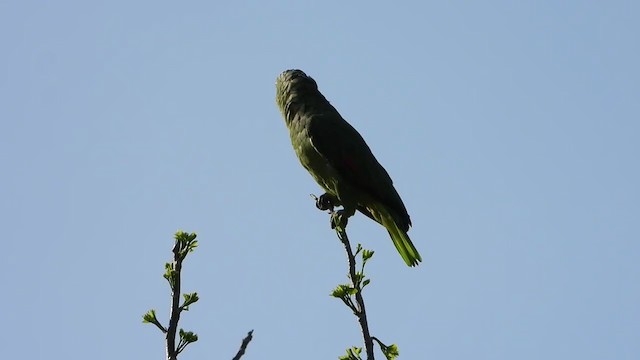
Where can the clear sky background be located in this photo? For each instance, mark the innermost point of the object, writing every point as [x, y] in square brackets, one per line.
[510, 129]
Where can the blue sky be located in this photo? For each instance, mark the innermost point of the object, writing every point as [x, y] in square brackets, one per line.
[510, 130]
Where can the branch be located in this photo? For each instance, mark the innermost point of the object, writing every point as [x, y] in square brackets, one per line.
[347, 292]
[172, 351]
[184, 244]
[243, 346]
[359, 310]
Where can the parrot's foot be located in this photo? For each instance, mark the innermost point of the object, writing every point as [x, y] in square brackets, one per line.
[339, 219]
[327, 201]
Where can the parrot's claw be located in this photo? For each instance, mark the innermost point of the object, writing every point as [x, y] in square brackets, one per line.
[339, 219]
[327, 201]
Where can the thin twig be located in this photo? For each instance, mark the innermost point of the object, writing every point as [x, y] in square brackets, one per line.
[172, 353]
[360, 311]
[243, 346]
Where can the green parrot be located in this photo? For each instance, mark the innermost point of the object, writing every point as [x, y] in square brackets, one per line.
[340, 161]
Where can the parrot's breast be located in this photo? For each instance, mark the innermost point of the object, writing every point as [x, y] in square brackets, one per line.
[317, 165]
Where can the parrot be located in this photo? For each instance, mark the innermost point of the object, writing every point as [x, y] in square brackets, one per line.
[341, 162]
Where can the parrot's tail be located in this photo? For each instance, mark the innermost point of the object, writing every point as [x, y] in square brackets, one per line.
[401, 240]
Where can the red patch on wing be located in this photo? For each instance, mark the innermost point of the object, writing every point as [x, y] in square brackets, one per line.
[350, 164]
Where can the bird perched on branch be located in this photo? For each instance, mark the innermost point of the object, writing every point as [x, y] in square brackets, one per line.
[341, 162]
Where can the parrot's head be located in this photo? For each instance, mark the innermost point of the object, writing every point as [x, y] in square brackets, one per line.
[292, 80]
[292, 86]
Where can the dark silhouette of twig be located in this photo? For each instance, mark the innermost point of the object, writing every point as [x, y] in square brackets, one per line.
[243, 346]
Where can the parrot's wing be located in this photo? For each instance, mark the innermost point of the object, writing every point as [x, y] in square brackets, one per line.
[348, 153]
